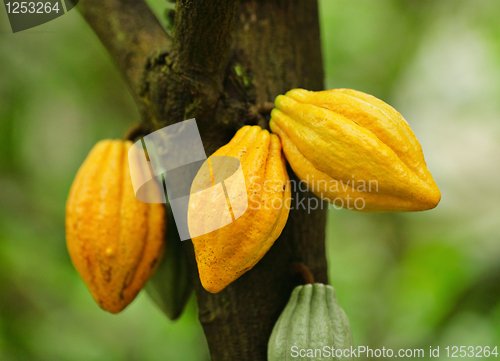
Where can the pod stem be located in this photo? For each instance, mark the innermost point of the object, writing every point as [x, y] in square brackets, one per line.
[258, 114]
[133, 132]
[304, 271]
[265, 108]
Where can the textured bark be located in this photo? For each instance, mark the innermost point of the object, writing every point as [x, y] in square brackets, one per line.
[227, 60]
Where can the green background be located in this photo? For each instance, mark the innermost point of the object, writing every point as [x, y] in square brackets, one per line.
[406, 280]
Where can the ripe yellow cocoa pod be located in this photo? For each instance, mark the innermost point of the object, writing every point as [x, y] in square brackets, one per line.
[226, 253]
[115, 241]
[352, 148]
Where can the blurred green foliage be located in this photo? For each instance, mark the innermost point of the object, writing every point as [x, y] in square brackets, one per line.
[405, 280]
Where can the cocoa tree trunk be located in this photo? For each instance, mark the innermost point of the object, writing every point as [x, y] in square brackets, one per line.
[225, 61]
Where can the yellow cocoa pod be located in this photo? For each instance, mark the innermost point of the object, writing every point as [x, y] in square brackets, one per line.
[352, 148]
[226, 253]
[115, 241]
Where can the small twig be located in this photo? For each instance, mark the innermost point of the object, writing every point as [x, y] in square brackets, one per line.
[304, 271]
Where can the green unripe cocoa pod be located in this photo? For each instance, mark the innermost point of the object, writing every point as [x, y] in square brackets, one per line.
[171, 286]
[312, 320]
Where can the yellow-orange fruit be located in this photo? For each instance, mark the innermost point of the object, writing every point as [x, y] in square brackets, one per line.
[349, 146]
[226, 253]
[114, 240]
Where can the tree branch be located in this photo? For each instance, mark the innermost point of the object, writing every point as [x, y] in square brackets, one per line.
[129, 31]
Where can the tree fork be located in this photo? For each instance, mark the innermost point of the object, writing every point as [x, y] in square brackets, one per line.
[225, 59]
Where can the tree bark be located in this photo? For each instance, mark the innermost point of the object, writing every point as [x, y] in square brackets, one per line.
[129, 31]
[227, 58]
